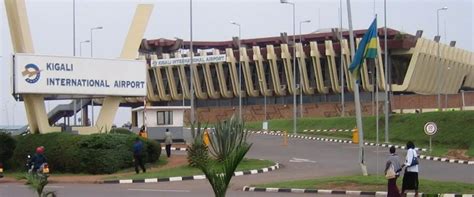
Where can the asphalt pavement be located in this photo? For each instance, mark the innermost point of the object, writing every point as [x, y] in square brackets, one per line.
[300, 159]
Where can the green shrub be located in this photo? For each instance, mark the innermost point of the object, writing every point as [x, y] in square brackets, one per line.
[197, 151]
[153, 151]
[7, 146]
[94, 154]
[227, 137]
[229, 145]
[104, 153]
[121, 131]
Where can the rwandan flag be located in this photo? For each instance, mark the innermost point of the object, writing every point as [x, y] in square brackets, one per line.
[367, 49]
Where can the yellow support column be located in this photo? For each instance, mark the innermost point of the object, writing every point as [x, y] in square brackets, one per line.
[22, 43]
[129, 51]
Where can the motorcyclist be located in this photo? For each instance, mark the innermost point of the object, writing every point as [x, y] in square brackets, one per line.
[38, 160]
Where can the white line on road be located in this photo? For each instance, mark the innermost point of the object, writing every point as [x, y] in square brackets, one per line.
[299, 160]
[48, 186]
[54, 186]
[158, 190]
[351, 147]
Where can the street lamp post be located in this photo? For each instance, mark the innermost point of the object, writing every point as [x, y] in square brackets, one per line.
[294, 64]
[240, 72]
[191, 52]
[92, 43]
[182, 90]
[264, 104]
[80, 55]
[438, 55]
[80, 46]
[92, 55]
[301, 73]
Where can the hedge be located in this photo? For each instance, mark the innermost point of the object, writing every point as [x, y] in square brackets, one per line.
[7, 146]
[93, 154]
[121, 131]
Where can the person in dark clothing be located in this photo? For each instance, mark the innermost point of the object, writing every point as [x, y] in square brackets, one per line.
[394, 162]
[38, 159]
[137, 155]
[410, 178]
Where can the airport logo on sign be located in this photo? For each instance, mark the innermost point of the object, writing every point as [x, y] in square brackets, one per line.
[32, 73]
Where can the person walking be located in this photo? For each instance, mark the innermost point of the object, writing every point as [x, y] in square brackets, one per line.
[168, 142]
[394, 166]
[205, 137]
[410, 178]
[137, 155]
[142, 133]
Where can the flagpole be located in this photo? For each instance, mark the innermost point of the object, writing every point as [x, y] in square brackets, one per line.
[376, 84]
[356, 96]
[342, 60]
[387, 82]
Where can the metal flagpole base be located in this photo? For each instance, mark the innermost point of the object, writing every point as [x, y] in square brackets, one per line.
[363, 167]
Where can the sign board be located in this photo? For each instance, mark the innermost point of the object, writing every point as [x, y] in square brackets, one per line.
[265, 125]
[430, 128]
[41, 74]
[187, 60]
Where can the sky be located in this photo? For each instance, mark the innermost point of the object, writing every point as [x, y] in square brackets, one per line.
[51, 27]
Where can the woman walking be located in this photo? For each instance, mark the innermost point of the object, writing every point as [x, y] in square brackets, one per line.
[410, 178]
[394, 166]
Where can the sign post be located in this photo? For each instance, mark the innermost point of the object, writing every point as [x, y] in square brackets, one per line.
[430, 129]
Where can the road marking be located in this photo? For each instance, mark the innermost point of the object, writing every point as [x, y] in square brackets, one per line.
[54, 186]
[159, 190]
[48, 186]
[299, 160]
[351, 147]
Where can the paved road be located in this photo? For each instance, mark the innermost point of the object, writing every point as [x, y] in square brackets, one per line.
[310, 158]
[341, 159]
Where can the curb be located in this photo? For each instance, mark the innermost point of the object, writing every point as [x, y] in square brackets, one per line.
[326, 130]
[186, 178]
[459, 161]
[425, 157]
[279, 133]
[343, 192]
[176, 148]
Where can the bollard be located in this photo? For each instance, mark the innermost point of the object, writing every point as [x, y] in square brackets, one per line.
[285, 138]
[355, 135]
[206, 138]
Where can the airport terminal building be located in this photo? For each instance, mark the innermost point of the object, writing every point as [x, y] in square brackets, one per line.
[417, 72]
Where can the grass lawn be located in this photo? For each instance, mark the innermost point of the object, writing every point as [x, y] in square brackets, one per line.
[371, 183]
[454, 129]
[246, 164]
[21, 174]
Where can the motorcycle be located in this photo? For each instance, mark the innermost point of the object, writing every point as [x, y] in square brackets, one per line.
[42, 171]
[1, 170]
